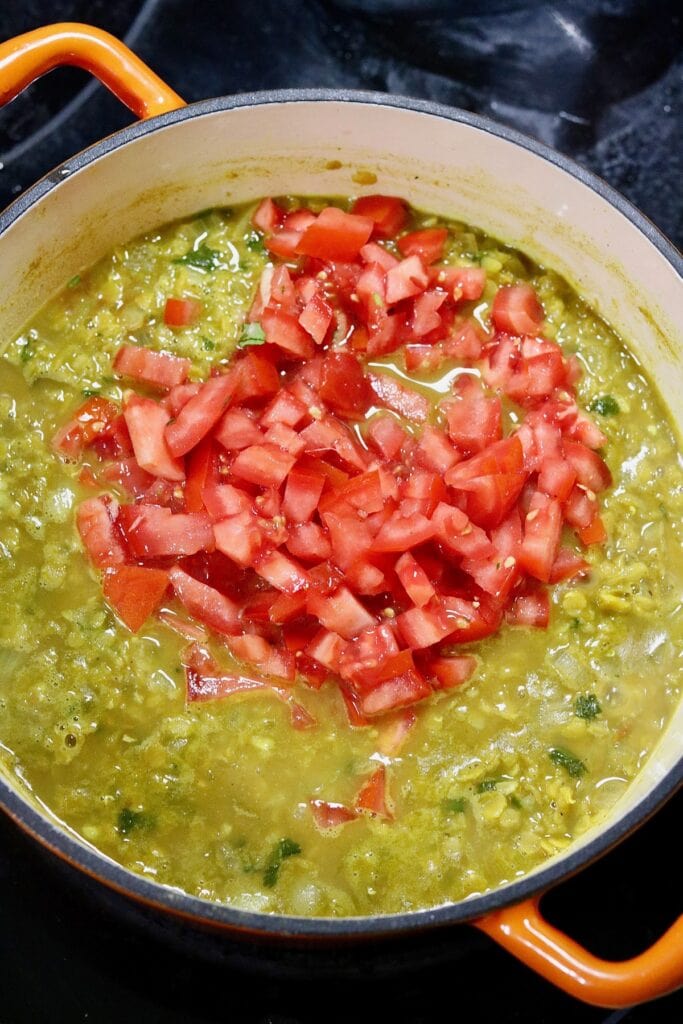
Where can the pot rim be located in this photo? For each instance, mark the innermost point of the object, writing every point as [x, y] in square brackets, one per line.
[86, 858]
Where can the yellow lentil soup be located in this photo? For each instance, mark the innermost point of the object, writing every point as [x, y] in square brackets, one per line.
[486, 779]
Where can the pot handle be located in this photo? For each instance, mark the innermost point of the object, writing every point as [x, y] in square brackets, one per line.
[524, 932]
[27, 57]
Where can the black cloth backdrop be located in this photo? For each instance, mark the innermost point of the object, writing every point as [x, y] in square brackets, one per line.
[601, 81]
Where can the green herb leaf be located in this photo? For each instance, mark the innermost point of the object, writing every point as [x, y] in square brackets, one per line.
[456, 805]
[564, 758]
[252, 334]
[486, 785]
[208, 345]
[605, 405]
[587, 706]
[129, 820]
[201, 258]
[255, 242]
[515, 802]
[25, 352]
[75, 280]
[283, 849]
[90, 392]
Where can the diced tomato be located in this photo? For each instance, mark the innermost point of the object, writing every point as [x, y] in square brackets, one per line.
[237, 429]
[198, 467]
[394, 731]
[542, 529]
[388, 213]
[589, 468]
[268, 216]
[238, 537]
[453, 671]
[302, 494]
[385, 435]
[329, 816]
[343, 385]
[580, 508]
[414, 580]
[341, 612]
[180, 396]
[458, 534]
[206, 680]
[183, 627]
[160, 369]
[281, 572]
[316, 318]
[351, 539]
[336, 235]
[152, 531]
[200, 413]
[221, 500]
[435, 451]
[427, 243]
[406, 279]
[366, 578]
[285, 438]
[326, 648]
[594, 533]
[263, 464]
[557, 478]
[474, 421]
[491, 481]
[285, 408]
[128, 475]
[496, 574]
[400, 685]
[425, 318]
[205, 604]
[92, 420]
[182, 312]
[270, 660]
[465, 343]
[255, 379]
[465, 284]
[402, 532]
[309, 542]
[331, 435]
[406, 402]
[95, 520]
[568, 564]
[362, 659]
[472, 619]
[531, 608]
[374, 253]
[373, 797]
[363, 492]
[516, 310]
[423, 627]
[146, 421]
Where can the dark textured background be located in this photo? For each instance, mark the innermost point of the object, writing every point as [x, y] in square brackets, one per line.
[601, 82]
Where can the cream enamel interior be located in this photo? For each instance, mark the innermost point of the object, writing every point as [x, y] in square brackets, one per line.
[454, 169]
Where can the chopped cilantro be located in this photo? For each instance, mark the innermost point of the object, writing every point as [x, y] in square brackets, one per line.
[456, 805]
[575, 624]
[255, 242]
[89, 392]
[201, 258]
[283, 849]
[129, 820]
[208, 345]
[25, 352]
[252, 334]
[564, 758]
[515, 802]
[605, 405]
[75, 280]
[587, 706]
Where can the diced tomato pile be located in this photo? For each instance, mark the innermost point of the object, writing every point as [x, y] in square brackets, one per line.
[316, 514]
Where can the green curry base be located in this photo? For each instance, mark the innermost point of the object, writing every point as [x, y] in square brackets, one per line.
[214, 798]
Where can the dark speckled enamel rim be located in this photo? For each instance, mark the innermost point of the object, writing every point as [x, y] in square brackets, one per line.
[258, 924]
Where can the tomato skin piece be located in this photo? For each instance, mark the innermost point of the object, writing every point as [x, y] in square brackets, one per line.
[271, 661]
[330, 816]
[263, 464]
[390, 393]
[206, 680]
[373, 798]
[452, 671]
[200, 414]
[182, 312]
[95, 519]
[344, 388]
[427, 243]
[160, 369]
[335, 235]
[516, 310]
[388, 213]
[567, 565]
[90, 421]
[205, 603]
[152, 531]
